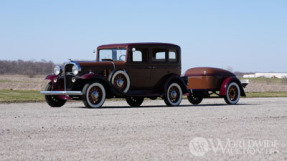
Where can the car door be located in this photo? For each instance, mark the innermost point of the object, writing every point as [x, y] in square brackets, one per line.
[138, 69]
[163, 62]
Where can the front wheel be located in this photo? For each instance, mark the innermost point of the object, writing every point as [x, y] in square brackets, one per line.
[173, 95]
[134, 101]
[194, 98]
[232, 93]
[94, 95]
[51, 100]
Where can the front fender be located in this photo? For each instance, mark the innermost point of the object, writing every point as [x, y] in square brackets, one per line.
[225, 83]
[51, 77]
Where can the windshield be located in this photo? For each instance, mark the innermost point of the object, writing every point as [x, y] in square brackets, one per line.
[112, 54]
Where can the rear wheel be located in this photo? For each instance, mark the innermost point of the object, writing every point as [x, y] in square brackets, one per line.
[232, 93]
[135, 101]
[94, 95]
[51, 100]
[173, 95]
[194, 98]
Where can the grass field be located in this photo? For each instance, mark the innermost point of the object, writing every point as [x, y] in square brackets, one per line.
[18, 96]
[266, 94]
[21, 88]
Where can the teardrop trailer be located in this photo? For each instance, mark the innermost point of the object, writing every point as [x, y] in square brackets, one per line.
[136, 71]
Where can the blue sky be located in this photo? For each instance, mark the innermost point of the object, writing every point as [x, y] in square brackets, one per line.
[247, 35]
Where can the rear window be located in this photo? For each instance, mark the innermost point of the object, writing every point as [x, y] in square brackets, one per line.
[172, 56]
[159, 55]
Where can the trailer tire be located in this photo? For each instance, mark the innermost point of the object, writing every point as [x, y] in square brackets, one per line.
[194, 99]
[232, 93]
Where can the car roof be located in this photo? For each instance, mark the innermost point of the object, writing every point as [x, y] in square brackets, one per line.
[151, 44]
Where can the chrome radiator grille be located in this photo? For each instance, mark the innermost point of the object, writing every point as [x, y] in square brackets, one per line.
[68, 75]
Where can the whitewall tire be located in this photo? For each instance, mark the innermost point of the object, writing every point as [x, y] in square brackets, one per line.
[232, 93]
[173, 95]
[94, 95]
[121, 80]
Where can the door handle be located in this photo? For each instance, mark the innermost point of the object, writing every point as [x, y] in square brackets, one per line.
[152, 67]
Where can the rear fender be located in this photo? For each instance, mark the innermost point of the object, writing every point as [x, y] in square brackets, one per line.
[178, 79]
[225, 83]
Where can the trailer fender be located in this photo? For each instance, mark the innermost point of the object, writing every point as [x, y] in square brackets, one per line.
[225, 83]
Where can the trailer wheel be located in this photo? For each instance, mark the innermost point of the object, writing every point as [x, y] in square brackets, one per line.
[173, 95]
[135, 101]
[194, 98]
[232, 93]
[94, 95]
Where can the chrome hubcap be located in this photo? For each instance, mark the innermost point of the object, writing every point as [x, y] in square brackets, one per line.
[95, 95]
[173, 94]
[120, 82]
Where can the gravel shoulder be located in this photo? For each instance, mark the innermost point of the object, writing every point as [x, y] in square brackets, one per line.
[34, 131]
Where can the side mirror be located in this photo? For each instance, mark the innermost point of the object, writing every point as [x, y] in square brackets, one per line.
[94, 51]
[134, 49]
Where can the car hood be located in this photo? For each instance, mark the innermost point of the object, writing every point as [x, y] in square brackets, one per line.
[99, 67]
[99, 64]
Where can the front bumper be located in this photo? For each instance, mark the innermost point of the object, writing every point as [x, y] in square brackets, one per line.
[74, 93]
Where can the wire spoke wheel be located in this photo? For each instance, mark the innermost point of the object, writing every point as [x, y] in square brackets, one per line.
[232, 93]
[173, 95]
[121, 80]
[94, 95]
[194, 98]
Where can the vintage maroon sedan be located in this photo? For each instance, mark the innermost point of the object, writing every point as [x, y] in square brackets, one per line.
[136, 71]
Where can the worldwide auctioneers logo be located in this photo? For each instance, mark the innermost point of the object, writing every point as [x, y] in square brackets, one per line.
[199, 146]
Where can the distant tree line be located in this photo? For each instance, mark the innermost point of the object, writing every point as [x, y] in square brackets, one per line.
[30, 68]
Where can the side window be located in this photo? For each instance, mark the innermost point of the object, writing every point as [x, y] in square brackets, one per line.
[172, 56]
[137, 56]
[159, 55]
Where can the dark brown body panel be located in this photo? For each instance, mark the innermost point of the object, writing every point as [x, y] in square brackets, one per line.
[102, 68]
[206, 78]
[144, 75]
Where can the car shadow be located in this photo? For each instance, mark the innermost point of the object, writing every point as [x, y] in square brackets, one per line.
[164, 106]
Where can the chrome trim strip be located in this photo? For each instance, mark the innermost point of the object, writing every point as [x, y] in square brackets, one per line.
[113, 65]
[61, 92]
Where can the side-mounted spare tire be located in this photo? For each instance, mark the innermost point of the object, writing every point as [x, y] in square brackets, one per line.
[121, 80]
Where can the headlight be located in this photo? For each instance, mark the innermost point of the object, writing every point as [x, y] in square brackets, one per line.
[75, 70]
[58, 70]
